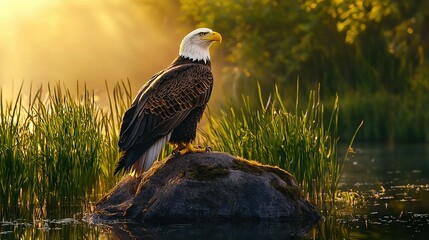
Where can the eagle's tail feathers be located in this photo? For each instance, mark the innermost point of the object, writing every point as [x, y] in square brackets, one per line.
[147, 159]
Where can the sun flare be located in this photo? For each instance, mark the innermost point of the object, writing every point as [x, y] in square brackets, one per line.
[89, 41]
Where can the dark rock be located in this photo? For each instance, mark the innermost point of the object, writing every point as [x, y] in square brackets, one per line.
[206, 187]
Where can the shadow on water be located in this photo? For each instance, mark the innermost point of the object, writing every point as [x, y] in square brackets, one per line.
[224, 230]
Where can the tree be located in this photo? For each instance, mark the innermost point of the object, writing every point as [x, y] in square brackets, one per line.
[353, 42]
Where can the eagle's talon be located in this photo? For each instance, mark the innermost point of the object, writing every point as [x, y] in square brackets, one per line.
[208, 149]
[191, 149]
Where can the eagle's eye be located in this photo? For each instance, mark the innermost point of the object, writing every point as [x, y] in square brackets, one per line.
[202, 33]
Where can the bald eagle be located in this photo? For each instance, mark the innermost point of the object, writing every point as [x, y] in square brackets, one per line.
[169, 106]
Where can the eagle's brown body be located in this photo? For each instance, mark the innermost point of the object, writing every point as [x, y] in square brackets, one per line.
[169, 106]
[171, 102]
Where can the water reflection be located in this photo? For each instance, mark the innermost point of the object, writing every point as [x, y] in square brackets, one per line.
[77, 229]
[67, 228]
[225, 230]
[394, 181]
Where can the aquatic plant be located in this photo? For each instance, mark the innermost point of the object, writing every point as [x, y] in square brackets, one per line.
[301, 142]
[57, 148]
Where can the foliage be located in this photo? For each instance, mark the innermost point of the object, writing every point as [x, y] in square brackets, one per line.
[265, 39]
[56, 148]
[376, 47]
[301, 143]
[387, 117]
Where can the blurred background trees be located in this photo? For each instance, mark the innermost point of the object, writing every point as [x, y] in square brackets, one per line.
[373, 53]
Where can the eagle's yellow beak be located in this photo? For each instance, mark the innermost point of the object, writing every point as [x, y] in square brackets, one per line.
[213, 36]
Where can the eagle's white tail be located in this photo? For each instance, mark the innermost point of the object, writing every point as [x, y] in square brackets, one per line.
[146, 160]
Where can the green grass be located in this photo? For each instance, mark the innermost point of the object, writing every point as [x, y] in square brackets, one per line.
[301, 142]
[57, 148]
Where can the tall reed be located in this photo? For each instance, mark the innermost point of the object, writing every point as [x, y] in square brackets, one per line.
[58, 148]
[10, 150]
[301, 142]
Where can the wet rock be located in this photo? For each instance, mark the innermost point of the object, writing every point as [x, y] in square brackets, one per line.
[206, 187]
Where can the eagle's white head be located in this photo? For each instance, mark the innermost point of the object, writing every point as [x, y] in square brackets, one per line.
[196, 44]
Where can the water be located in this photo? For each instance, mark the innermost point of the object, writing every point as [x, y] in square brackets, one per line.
[393, 181]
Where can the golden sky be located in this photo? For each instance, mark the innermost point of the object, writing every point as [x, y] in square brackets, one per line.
[90, 41]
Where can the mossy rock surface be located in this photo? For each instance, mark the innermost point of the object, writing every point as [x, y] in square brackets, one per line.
[206, 187]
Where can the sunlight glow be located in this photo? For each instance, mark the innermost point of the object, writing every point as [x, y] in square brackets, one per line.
[94, 41]
[9, 8]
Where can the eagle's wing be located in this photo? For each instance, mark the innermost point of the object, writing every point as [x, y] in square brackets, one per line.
[160, 106]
